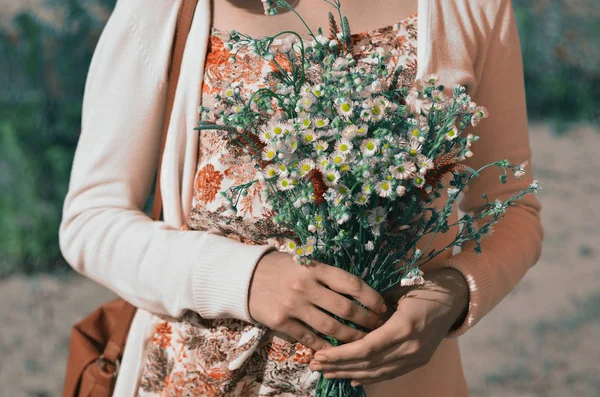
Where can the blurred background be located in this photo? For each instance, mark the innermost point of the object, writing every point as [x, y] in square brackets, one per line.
[542, 340]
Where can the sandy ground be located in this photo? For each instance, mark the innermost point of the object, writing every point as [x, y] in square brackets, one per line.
[542, 340]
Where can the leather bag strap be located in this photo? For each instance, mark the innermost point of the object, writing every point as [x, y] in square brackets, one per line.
[184, 23]
[115, 346]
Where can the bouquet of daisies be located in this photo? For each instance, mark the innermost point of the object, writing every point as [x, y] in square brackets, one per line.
[352, 161]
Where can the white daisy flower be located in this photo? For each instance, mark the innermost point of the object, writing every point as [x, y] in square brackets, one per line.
[269, 153]
[362, 130]
[452, 134]
[414, 149]
[323, 163]
[305, 122]
[424, 163]
[270, 171]
[291, 145]
[309, 136]
[345, 108]
[350, 132]
[403, 171]
[343, 146]
[419, 180]
[306, 101]
[290, 246]
[361, 199]
[317, 90]
[384, 188]
[283, 170]
[331, 177]
[228, 92]
[369, 147]
[305, 166]
[320, 122]
[376, 216]
[338, 159]
[431, 78]
[285, 183]
[321, 146]
[266, 136]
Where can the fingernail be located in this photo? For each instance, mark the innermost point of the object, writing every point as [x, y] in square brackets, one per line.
[383, 308]
[355, 383]
[320, 358]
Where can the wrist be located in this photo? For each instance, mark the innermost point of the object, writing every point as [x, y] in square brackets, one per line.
[457, 288]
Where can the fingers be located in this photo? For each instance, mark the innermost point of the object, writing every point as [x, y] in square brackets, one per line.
[344, 308]
[303, 334]
[346, 283]
[387, 372]
[328, 325]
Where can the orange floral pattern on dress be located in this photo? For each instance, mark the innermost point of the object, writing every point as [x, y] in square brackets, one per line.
[197, 357]
[208, 184]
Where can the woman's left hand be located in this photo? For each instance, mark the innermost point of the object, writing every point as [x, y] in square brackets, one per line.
[418, 319]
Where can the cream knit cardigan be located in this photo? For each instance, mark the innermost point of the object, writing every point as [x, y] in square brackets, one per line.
[106, 236]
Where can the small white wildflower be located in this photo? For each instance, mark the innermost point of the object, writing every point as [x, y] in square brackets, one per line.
[305, 166]
[369, 246]
[331, 177]
[321, 122]
[345, 108]
[424, 163]
[376, 216]
[312, 228]
[343, 146]
[309, 136]
[419, 181]
[384, 188]
[452, 134]
[269, 153]
[321, 146]
[403, 171]
[285, 183]
[369, 147]
[414, 149]
[361, 199]
[270, 171]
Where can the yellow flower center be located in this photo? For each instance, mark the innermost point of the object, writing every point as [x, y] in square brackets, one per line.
[346, 107]
[343, 147]
[277, 130]
[370, 146]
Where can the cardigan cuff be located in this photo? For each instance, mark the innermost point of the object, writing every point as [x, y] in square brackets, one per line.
[476, 270]
[221, 283]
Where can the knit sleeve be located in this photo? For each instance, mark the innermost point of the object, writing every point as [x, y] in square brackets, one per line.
[104, 233]
[515, 243]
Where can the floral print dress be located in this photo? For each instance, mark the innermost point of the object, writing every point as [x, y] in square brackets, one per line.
[193, 356]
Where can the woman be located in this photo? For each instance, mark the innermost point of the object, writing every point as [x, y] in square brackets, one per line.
[166, 272]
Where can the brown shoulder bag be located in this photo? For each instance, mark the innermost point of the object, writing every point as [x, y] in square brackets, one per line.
[98, 341]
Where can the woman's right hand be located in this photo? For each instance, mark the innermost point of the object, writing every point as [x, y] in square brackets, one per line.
[283, 294]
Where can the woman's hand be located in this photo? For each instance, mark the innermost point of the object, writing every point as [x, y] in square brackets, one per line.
[416, 326]
[286, 297]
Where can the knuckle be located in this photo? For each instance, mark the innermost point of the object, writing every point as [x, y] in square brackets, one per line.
[355, 283]
[346, 308]
[298, 285]
[367, 352]
[307, 339]
[330, 327]
[413, 348]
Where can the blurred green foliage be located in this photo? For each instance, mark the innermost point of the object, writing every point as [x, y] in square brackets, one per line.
[43, 68]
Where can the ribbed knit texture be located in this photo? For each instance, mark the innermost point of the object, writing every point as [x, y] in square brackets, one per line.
[165, 271]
